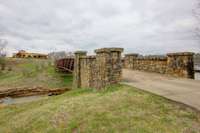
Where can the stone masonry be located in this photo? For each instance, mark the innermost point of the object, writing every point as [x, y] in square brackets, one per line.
[105, 68]
[76, 76]
[175, 64]
[181, 64]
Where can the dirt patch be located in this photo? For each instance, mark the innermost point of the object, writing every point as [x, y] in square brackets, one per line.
[31, 91]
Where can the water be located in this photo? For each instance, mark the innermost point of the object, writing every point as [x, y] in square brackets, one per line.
[10, 101]
[197, 67]
[197, 76]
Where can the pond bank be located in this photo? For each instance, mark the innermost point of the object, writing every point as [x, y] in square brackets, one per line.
[10, 101]
[31, 91]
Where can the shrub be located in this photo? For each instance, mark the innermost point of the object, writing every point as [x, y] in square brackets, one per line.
[2, 63]
[9, 68]
[27, 72]
[37, 68]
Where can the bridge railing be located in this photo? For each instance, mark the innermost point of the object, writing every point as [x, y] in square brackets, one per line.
[65, 65]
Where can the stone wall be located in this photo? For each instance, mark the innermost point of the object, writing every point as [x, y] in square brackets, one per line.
[181, 64]
[98, 71]
[175, 64]
[87, 71]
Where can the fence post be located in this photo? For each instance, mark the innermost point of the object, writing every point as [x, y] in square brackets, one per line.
[76, 74]
[181, 64]
[109, 66]
[129, 60]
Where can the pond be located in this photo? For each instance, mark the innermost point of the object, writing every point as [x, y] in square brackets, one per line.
[197, 76]
[10, 101]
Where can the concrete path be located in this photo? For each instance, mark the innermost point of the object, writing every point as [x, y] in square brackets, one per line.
[186, 91]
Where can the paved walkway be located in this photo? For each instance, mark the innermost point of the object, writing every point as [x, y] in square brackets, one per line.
[186, 91]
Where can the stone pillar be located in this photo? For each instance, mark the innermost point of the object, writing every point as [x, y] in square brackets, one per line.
[181, 64]
[77, 74]
[129, 60]
[117, 66]
[109, 66]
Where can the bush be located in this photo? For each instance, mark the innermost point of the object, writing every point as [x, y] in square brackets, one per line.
[27, 72]
[40, 67]
[2, 63]
[37, 67]
[9, 68]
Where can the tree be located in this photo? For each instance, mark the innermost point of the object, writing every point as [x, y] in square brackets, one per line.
[3, 44]
[60, 55]
[196, 13]
[197, 31]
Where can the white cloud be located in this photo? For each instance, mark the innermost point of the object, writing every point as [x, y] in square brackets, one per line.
[153, 26]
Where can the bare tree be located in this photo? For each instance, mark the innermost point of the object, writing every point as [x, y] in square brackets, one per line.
[60, 55]
[196, 12]
[3, 44]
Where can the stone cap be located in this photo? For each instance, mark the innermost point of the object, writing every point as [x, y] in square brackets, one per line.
[80, 52]
[132, 54]
[181, 54]
[107, 50]
[153, 58]
[89, 57]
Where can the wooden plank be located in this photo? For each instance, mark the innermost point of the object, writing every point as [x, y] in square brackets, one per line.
[65, 65]
[66, 69]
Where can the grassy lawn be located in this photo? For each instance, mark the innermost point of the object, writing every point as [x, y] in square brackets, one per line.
[118, 108]
[32, 72]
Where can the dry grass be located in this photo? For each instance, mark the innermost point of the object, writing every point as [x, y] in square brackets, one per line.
[32, 72]
[116, 109]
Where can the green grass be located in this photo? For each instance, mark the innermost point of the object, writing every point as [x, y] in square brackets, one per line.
[117, 108]
[33, 72]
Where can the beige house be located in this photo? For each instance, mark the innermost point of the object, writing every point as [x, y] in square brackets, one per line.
[24, 54]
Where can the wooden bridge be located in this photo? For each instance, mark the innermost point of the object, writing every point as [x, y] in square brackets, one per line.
[65, 65]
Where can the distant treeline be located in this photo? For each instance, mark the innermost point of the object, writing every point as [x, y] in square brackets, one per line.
[60, 55]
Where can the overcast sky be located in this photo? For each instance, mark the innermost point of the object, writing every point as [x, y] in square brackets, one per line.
[139, 26]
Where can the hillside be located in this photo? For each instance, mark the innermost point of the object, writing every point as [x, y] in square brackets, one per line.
[32, 72]
[116, 109]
